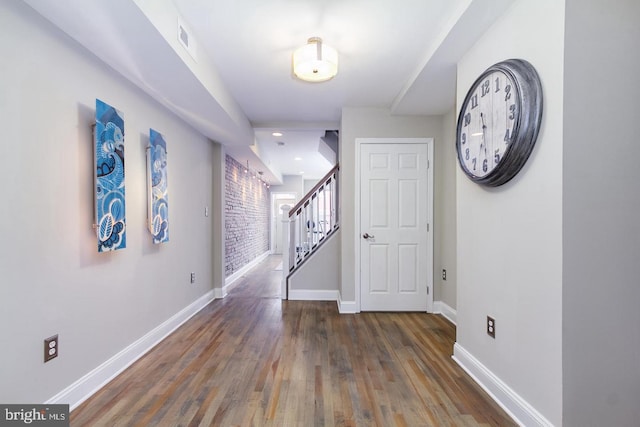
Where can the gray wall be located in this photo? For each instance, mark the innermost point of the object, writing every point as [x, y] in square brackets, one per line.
[293, 184]
[309, 184]
[53, 279]
[601, 226]
[218, 218]
[509, 239]
[446, 163]
[321, 272]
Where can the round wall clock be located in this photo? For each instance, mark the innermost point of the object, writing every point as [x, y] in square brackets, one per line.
[499, 122]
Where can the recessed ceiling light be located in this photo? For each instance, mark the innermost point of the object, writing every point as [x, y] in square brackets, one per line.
[301, 172]
[277, 134]
[297, 158]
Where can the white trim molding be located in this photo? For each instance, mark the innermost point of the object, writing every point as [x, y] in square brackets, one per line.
[229, 282]
[89, 384]
[313, 295]
[441, 307]
[347, 307]
[518, 408]
[220, 293]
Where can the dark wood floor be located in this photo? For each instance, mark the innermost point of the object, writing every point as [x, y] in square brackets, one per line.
[252, 359]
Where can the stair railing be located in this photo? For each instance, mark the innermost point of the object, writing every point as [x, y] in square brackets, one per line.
[310, 222]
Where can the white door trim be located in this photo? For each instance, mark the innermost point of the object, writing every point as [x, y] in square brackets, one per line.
[356, 236]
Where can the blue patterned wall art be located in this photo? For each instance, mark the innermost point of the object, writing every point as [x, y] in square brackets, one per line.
[109, 178]
[158, 204]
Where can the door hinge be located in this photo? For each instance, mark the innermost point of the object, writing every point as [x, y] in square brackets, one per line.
[427, 290]
[427, 227]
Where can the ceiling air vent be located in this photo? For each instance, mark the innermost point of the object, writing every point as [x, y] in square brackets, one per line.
[186, 39]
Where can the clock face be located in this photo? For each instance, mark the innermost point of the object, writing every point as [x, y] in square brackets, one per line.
[488, 121]
[499, 122]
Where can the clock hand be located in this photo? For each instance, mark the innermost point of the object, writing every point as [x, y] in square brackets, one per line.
[484, 135]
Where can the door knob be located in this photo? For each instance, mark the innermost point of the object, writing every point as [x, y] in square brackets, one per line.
[368, 236]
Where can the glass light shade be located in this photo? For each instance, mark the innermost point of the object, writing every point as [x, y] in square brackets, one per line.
[315, 61]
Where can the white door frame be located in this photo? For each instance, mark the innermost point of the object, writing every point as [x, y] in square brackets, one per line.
[357, 237]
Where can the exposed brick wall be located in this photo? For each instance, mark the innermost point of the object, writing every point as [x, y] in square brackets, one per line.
[246, 217]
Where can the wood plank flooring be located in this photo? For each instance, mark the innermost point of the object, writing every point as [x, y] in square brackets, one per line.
[254, 360]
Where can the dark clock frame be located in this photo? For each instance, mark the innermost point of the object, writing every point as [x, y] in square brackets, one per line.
[528, 90]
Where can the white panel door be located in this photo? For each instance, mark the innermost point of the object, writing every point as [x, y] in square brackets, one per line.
[394, 227]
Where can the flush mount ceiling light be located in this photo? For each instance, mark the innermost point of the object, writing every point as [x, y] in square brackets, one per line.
[315, 61]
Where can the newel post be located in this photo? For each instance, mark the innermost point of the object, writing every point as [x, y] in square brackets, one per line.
[286, 227]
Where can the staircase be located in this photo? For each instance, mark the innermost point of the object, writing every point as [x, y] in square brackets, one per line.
[310, 223]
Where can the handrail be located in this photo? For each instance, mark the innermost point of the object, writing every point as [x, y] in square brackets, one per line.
[320, 183]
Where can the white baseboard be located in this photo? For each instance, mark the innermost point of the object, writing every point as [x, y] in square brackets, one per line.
[312, 295]
[229, 282]
[346, 307]
[219, 293]
[441, 307]
[86, 386]
[519, 409]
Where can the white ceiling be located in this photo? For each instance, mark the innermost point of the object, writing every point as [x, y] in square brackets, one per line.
[380, 42]
[294, 153]
[396, 54]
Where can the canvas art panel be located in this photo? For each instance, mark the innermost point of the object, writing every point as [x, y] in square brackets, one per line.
[158, 203]
[109, 178]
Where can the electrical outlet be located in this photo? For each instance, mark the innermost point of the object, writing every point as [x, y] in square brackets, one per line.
[444, 274]
[51, 349]
[193, 277]
[491, 327]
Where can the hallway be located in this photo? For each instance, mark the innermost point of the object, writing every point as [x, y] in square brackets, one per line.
[252, 359]
[261, 282]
